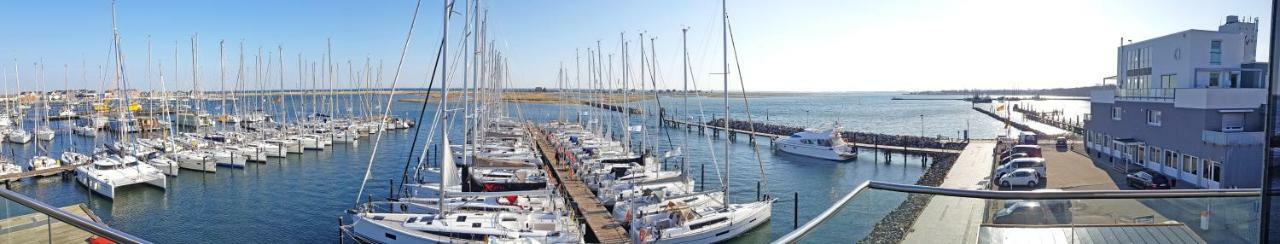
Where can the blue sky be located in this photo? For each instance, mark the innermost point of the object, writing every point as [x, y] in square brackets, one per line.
[821, 45]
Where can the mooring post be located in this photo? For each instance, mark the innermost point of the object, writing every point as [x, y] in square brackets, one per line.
[702, 176]
[340, 234]
[757, 190]
[795, 212]
[391, 189]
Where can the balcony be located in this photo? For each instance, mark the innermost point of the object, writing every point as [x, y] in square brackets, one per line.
[1139, 216]
[26, 220]
[1239, 138]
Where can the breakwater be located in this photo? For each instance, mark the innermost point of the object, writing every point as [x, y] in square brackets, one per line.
[614, 108]
[859, 137]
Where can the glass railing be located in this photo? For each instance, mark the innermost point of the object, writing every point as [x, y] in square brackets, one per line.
[942, 215]
[26, 220]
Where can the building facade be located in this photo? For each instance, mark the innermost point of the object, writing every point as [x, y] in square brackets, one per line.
[1189, 105]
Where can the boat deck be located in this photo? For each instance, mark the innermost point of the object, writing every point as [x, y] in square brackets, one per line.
[38, 228]
[599, 220]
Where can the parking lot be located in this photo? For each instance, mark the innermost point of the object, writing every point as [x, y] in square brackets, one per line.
[1069, 169]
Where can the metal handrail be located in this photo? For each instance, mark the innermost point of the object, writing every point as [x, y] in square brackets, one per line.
[96, 228]
[808, 227]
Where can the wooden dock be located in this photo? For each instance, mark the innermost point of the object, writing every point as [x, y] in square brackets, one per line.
[39, 228]
[37, 173]
[733, 133]
[600, 223]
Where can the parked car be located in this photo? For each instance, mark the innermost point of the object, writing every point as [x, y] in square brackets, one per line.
[1036, 164]
[1023, 213]
[1061, 141]
[1021, 177]
[1033, 150]
[1147, 180]
[1006, 159]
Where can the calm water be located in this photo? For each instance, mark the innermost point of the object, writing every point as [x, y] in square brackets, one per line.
[299, 199]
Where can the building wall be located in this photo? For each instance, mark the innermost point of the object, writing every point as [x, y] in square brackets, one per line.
[1181, 131]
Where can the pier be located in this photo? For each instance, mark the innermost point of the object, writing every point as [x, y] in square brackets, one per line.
[1075, 126]
[600, 223]
[733, 132]
[39, 173]
[1019, 126]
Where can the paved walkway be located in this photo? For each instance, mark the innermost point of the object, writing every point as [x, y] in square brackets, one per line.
[947, 218]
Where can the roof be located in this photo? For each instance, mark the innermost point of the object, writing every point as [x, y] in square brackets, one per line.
[1153, 233]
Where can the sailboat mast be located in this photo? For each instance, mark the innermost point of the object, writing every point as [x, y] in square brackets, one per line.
[724, 22]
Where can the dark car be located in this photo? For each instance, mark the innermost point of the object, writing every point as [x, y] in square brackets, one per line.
[1147, 180]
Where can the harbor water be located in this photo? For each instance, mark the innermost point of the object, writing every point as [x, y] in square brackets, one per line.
[299, 199]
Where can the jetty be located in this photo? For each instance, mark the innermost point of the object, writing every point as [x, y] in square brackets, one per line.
[1006, 120]
[40, 173]
[1075, 126]
[733, 132]
[601, 226]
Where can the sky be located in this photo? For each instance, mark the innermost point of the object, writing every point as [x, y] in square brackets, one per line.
[819, 45]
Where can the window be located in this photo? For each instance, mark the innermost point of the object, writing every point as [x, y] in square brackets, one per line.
[1115, 113]
[1155, 155]
[1215, 52]
[1234, 79]
[1170, 157]
[1232, 122]
[1213, 79]
[1188, 164]
[1216, 172]
[1153, 117]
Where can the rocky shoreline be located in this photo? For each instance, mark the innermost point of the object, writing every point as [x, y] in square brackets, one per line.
[895, 226]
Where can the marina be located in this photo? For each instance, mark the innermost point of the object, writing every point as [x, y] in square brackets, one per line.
[469, 121]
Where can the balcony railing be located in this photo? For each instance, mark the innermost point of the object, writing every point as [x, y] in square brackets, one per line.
[1237, 138]
[26, 220]
[1154, 93]
[971, 216]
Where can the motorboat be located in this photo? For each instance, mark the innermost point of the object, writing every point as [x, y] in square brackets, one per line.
[818, 143]
[75, 158]
[7, 168]
[108, 173]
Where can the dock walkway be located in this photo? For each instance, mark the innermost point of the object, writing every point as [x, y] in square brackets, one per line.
[770, 137]
[599, 220]
[946, 218]
[43, 172]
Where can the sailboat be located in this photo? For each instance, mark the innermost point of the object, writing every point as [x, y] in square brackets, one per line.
[109, 170]
[679, 222]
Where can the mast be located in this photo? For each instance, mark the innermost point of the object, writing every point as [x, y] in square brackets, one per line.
[446, 160]
[684, 70]
[222, 79]
[725, 55]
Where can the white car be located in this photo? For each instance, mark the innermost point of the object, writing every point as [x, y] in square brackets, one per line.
[1020, 177]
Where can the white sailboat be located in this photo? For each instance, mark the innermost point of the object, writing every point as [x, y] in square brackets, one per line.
[109, 172]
